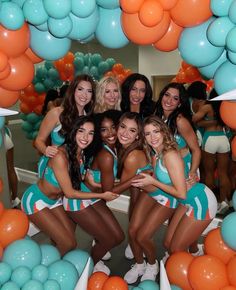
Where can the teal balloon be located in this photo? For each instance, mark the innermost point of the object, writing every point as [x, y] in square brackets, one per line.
[43, 26]
[218, 29]
[29, 135]
[220, 7]
[20, 3]
[94, 72]
[231, 39]
[130, 287]
[225, 78]
[60, 27]
[51, 285]
[23, 116]
[232, 11]
[110, 61]
[49, 64]
[39, 87]
[10, 286]
[96, 58]
[34, 134]
[83, 9]
[21, 275]
[234, 200]
[32, 118]
[48, 83]
[64, 273]
[22, 253]
[57, 8]
[232, 57]
[26, 126]
[34, 12]
[33, 285]
[5, 272]
[11, 16]
[228, 230]
[2, 122]
[53, 73]
[47, 46]
[79, 62]
[195, 48]
[137, 288]
[209, 70]
[50, 254]
[79, 259]
[174, 287]
[85, 70]
[40, 273]
[103, 67]
[41, 72]
[109, 31]
[149, 285]
[83, 27]
[109, 4]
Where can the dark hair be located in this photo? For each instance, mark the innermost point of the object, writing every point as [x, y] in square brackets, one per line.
[146, 106]
[183, 109]
[71, 149]
[62, 90]
[137, 144]
[197, 90]
[70, 112]
[216, 107]
[51, 95]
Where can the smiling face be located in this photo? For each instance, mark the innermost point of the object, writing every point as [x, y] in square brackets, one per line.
[137, 93]
[83, 94]
[108, 132]
[84, 135]
[154, 137]
[111, 95]
[127, 132]
[170, 100]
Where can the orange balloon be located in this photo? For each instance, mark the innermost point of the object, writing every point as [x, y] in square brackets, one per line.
[170, 39]
[14, 42]
[6, 72]
[1, 206]
[24, 108]
[192, 74]
[32, 56]
[231, 271]
[215, 246]
[38, 109]
[1, 252]
[181, 77]
[127, 72]
[150, 13]
[131, 6]
[41, 98]
[228, 288]
[233, 147]
[14, 225]
[97, 280]
[208, 273]
[141, 34]
[59, 64]
[177, 267]
[29, 90]
[167, 5]
[22, 73]
[69, 57]
[115, 283]
[185, 65]
[8, 98]
[69, 69]
[227, 113]
[181, 12]
[3, 61]
[118, 68]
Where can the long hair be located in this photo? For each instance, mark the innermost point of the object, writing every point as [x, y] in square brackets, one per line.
[216, 107]
[70, 112]
[72, 150]
[100, 105]
[183, 108]
[146, 106]
[197, 90]
[136, 145]
[168, 138]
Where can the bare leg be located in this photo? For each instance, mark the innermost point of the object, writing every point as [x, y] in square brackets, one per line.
[134, 196]
[223, 163]
[12, 177]
[209, 164]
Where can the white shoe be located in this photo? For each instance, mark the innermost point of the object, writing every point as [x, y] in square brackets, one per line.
[151, 272]
[15, 202]
[107, 256]
[136, 271]
[128, 253]
[101, 267]
[223, 207]
[200, 251]
[165, 258]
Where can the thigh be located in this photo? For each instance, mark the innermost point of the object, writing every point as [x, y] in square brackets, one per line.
[223, 163]
[64, 219]
[208, 162]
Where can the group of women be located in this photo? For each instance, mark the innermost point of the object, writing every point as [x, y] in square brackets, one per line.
[103, 141]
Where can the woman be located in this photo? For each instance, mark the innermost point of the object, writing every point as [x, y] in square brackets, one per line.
[136, 94]
[108, 95]
[169, 200]
[63, 176]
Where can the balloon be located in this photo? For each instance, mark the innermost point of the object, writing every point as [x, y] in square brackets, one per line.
[34, 12]
[60, 27]
[97, 280]
[215, 246]
[20, 3]
[220, 7]
[33, 284]
[21, 275]
[51, 285]
[5, 272]
[218, 29]
[83, 8]
[108, 4]
[109, 31]
[230, 40]
[118, 68]
[8, 98]
[47, 46]
[22, 73]
[6, 72]
[11, 16]
[174, 287]
[208, 273]
[1, 204]
[225, 78]
[228, 230]
[181, 16]
[177, 268]
[10, 286]
[167, 5]
[232, 56]
[195, 48]
[170, 39]
[14, 42]
[192, 74]
[149, 285]
[3, 61]
[234, 194]
[227, 110]
[58, 8]
[69, 57]
[151, 13]
[228, 288]
[116, 283]
[141, 34]
[96, 59]
[232, 11]
[32, 56]
[40, 273]
[131, 6]
[231, 271]
[50, 254]
[22, 253]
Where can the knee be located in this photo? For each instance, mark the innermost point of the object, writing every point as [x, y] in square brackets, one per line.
[132, 231]
[141, 238]
[118, 237]
[69, 244]
[166, 244]
[174, 248]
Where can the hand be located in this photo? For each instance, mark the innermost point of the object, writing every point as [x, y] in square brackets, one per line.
[90, 179]
[193, 177]
[142, 180]
[108, 195]
[51, 151]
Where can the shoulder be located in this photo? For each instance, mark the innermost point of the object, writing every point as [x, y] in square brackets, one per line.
[54, 114]
[104, 156]
[171, 156]
[182, 122]
[135, 156]
[60, 159]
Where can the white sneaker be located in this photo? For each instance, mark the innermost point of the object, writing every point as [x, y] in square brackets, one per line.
[165, 258]
[15, 202]
[136, 271]
[151, 272]
[128, 253]
[101, 267]
[200, 251]
[107, 256]
[223, 207]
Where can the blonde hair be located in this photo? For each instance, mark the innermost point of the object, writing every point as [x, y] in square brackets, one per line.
[100, 105]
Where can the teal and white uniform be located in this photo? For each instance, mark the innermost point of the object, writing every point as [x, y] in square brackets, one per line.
[7, 138]
[215, 142]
